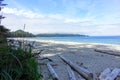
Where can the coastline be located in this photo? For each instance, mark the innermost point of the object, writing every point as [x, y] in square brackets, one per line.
[65, 42]
[83, 54]
[114, 46]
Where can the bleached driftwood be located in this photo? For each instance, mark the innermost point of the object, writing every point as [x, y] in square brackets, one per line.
[108, 74]
[104, 74]
[71, 73]
[113, 74]
[53, 73]
[110, 52]
[85, 73]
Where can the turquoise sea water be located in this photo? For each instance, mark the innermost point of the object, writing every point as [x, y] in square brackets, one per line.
[93, 39]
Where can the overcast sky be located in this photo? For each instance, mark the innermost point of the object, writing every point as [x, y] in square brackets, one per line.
[91, 17]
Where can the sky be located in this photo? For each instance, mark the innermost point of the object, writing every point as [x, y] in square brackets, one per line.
[90, 17]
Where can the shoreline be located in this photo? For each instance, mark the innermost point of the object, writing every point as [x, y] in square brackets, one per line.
[113, 47]
[64, 42]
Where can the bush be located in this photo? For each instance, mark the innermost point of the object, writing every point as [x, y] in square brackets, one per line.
[17, 64]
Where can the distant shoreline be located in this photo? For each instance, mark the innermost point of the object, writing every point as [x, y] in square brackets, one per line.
[113, 40]
[64, 42]
[61, 35]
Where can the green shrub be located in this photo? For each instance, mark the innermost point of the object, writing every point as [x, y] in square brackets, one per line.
[17, 64]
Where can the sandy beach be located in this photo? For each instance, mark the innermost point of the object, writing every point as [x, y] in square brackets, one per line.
[83, 54]
[80, 53]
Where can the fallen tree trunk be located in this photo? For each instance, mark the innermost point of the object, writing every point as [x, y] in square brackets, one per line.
[85, 73]
[104, 74]
[107, 52]
[113, 74]
[109, 74]
[53, 73]
[71, 73]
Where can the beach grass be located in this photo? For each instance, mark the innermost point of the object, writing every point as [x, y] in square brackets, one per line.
[17, 64]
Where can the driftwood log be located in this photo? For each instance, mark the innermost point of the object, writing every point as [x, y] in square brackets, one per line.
[110, 52]
[85, 73]
[109, 74]
[52, 72]
[71, 73]
[104, 74]
[113, 74]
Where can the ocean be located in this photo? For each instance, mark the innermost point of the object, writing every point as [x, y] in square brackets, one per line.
[91, 39]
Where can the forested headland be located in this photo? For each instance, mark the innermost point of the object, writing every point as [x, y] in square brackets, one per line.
[60, 35]
[20, 33]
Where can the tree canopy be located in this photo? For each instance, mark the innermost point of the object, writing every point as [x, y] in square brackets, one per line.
[20, 33]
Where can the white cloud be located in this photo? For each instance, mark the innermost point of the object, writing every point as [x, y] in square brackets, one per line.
[38, 25]
[58, 23]
[78, 20]
[47, 17]
[22, 12]
[56, 16]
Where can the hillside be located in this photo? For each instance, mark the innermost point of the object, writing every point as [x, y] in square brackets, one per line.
[20, 33]
[60, 35]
